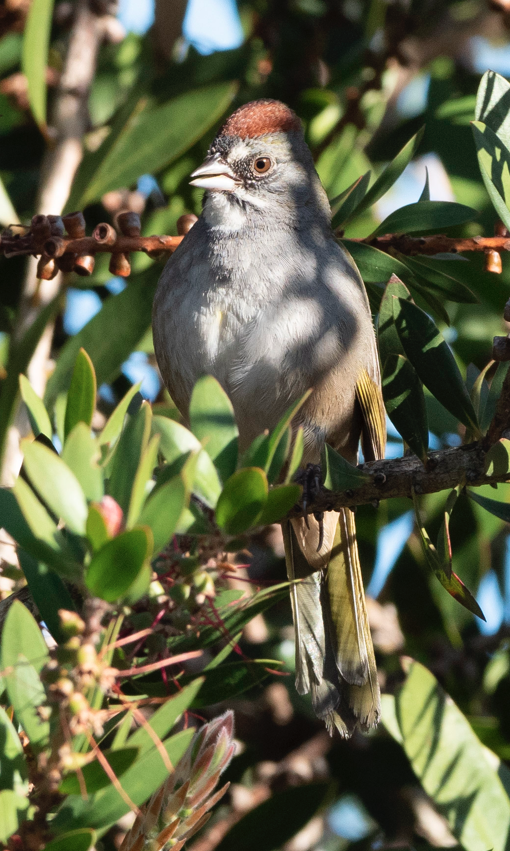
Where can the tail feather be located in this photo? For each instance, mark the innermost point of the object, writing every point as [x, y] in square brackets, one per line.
[334, 652]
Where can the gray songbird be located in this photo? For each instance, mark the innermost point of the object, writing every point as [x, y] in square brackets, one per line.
[260, 295]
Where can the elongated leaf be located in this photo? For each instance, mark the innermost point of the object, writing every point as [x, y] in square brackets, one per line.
[375, 266]
[129, 450]
[109, 337]
[494, 394]
[79, 840]
[36, 41]
[296, 455]
[493, 506]
[81, 454]
[479, 392]
[242, 500]
[451, 763]
[13, 811]
[13, 768]
[177, 444]
[24, 653]
[158, 135]
[94, 775]
[263, 449]
[494, 163]
[115, 567]
[434, 362]
[493, 105]
[165, 717]
[49, 593]
[142, 478]
[113, 427]
[388, 337]
[163, 510]
[280, 500]
[37, 413]
[425, 195]
[338, 474]
[212, 421]
[391, 173]
[57, 485]
[426, 215]
[81, 399]
[497, 459]
[96, 529]
[352, 202]
[286, 812]
[405, 403]
[441, 275]
[449, 580]
[444, 544]
[227, 681]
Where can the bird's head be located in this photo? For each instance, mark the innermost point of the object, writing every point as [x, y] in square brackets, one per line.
[259, 163]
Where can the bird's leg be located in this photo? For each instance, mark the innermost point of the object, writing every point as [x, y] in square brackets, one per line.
[311, 480]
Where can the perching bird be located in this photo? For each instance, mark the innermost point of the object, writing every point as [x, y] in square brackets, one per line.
[260, 295]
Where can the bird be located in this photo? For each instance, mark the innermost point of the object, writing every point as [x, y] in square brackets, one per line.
[261, 295]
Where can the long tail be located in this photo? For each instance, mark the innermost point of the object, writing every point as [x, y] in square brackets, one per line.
[334, 652]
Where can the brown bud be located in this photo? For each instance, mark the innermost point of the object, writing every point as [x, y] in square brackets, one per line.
[185, 223]
[84, 265]
[500, 229]
[57, 225]
[66, 263]
[104, 234]
[74, 224]
[120, 265]
[47, 269]
[501, 349]
[129, 223]
[54, 246]
[41, 228]
[493, 262]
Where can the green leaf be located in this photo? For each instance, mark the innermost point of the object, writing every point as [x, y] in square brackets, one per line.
[79, 840]
[81, 398]
[37, 413]
[162, 511]
[493, 506]
[338, 474]
[34, 60]
[213, 423]
[352, 202]
[375, 266]
[144, 777]
[229, 680]
[494, 394]
[494, 163]
[440, 274]
[391, 173]
[405, 403]
[425, 195]
[166, 717]
[274, 822]
[158, 135]
[115, 421]
[444, 544]
[434, 362]
[49, 593]
[263, 449]
[242, 500]
[177, 443]
[497, 459]
[24, 654]
[57, 485]
[132, 444]
[280, 500]
[449, 580]
[296, 455]
[388, 337]
[109, 337]
[426, 215]
[116, 565]
[451, 763]
[82, 455]
[94, 775]
[13, 811]
[13, 768]
[142, 478]
[479, 392]
[96, 529]
[493, 105]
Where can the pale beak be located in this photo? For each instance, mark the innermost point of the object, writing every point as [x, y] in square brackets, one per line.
[215, 174]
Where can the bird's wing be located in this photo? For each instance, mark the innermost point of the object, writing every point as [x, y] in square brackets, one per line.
[373, 432]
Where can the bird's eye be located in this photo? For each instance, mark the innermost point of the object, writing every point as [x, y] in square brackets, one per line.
[261, 165]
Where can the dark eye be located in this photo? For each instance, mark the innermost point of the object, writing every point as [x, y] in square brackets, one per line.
[261, 165]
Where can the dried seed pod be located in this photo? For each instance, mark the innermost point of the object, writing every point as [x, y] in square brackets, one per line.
[74, 224]
[66, 263]
[84, 265]
[54, 246]
[501, 349]
[40, 228]
[493, 262]
[57, 225]
[120, 265]
[128, 223]
[104, 234]
[47, 268]
[185, 223]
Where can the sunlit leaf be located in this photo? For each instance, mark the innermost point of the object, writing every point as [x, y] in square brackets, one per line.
[426, 215]
[212, 421]
[242, 500]
[81, 398]
[493, 506]
[81, 454]
[115, 566]
[163, 510]
[444, 544]
[352, 202]
[57, 485]
[130, 448]
[494, 162]
[338, 474]
[493, 105]
[280, 500]
[34, 61]
[37, 413]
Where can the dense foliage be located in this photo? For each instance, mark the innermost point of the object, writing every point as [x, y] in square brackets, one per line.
[150, 549]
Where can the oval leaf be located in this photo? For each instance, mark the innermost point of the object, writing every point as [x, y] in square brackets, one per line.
[115, 567]
[163, 510]
[494, 162]
[57, 485]
[426, 215]
[242, 500]
[338, 474]
[212, 421]
[280, 500]
[37, 413]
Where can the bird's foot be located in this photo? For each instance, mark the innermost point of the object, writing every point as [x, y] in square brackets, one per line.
[311, 480]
